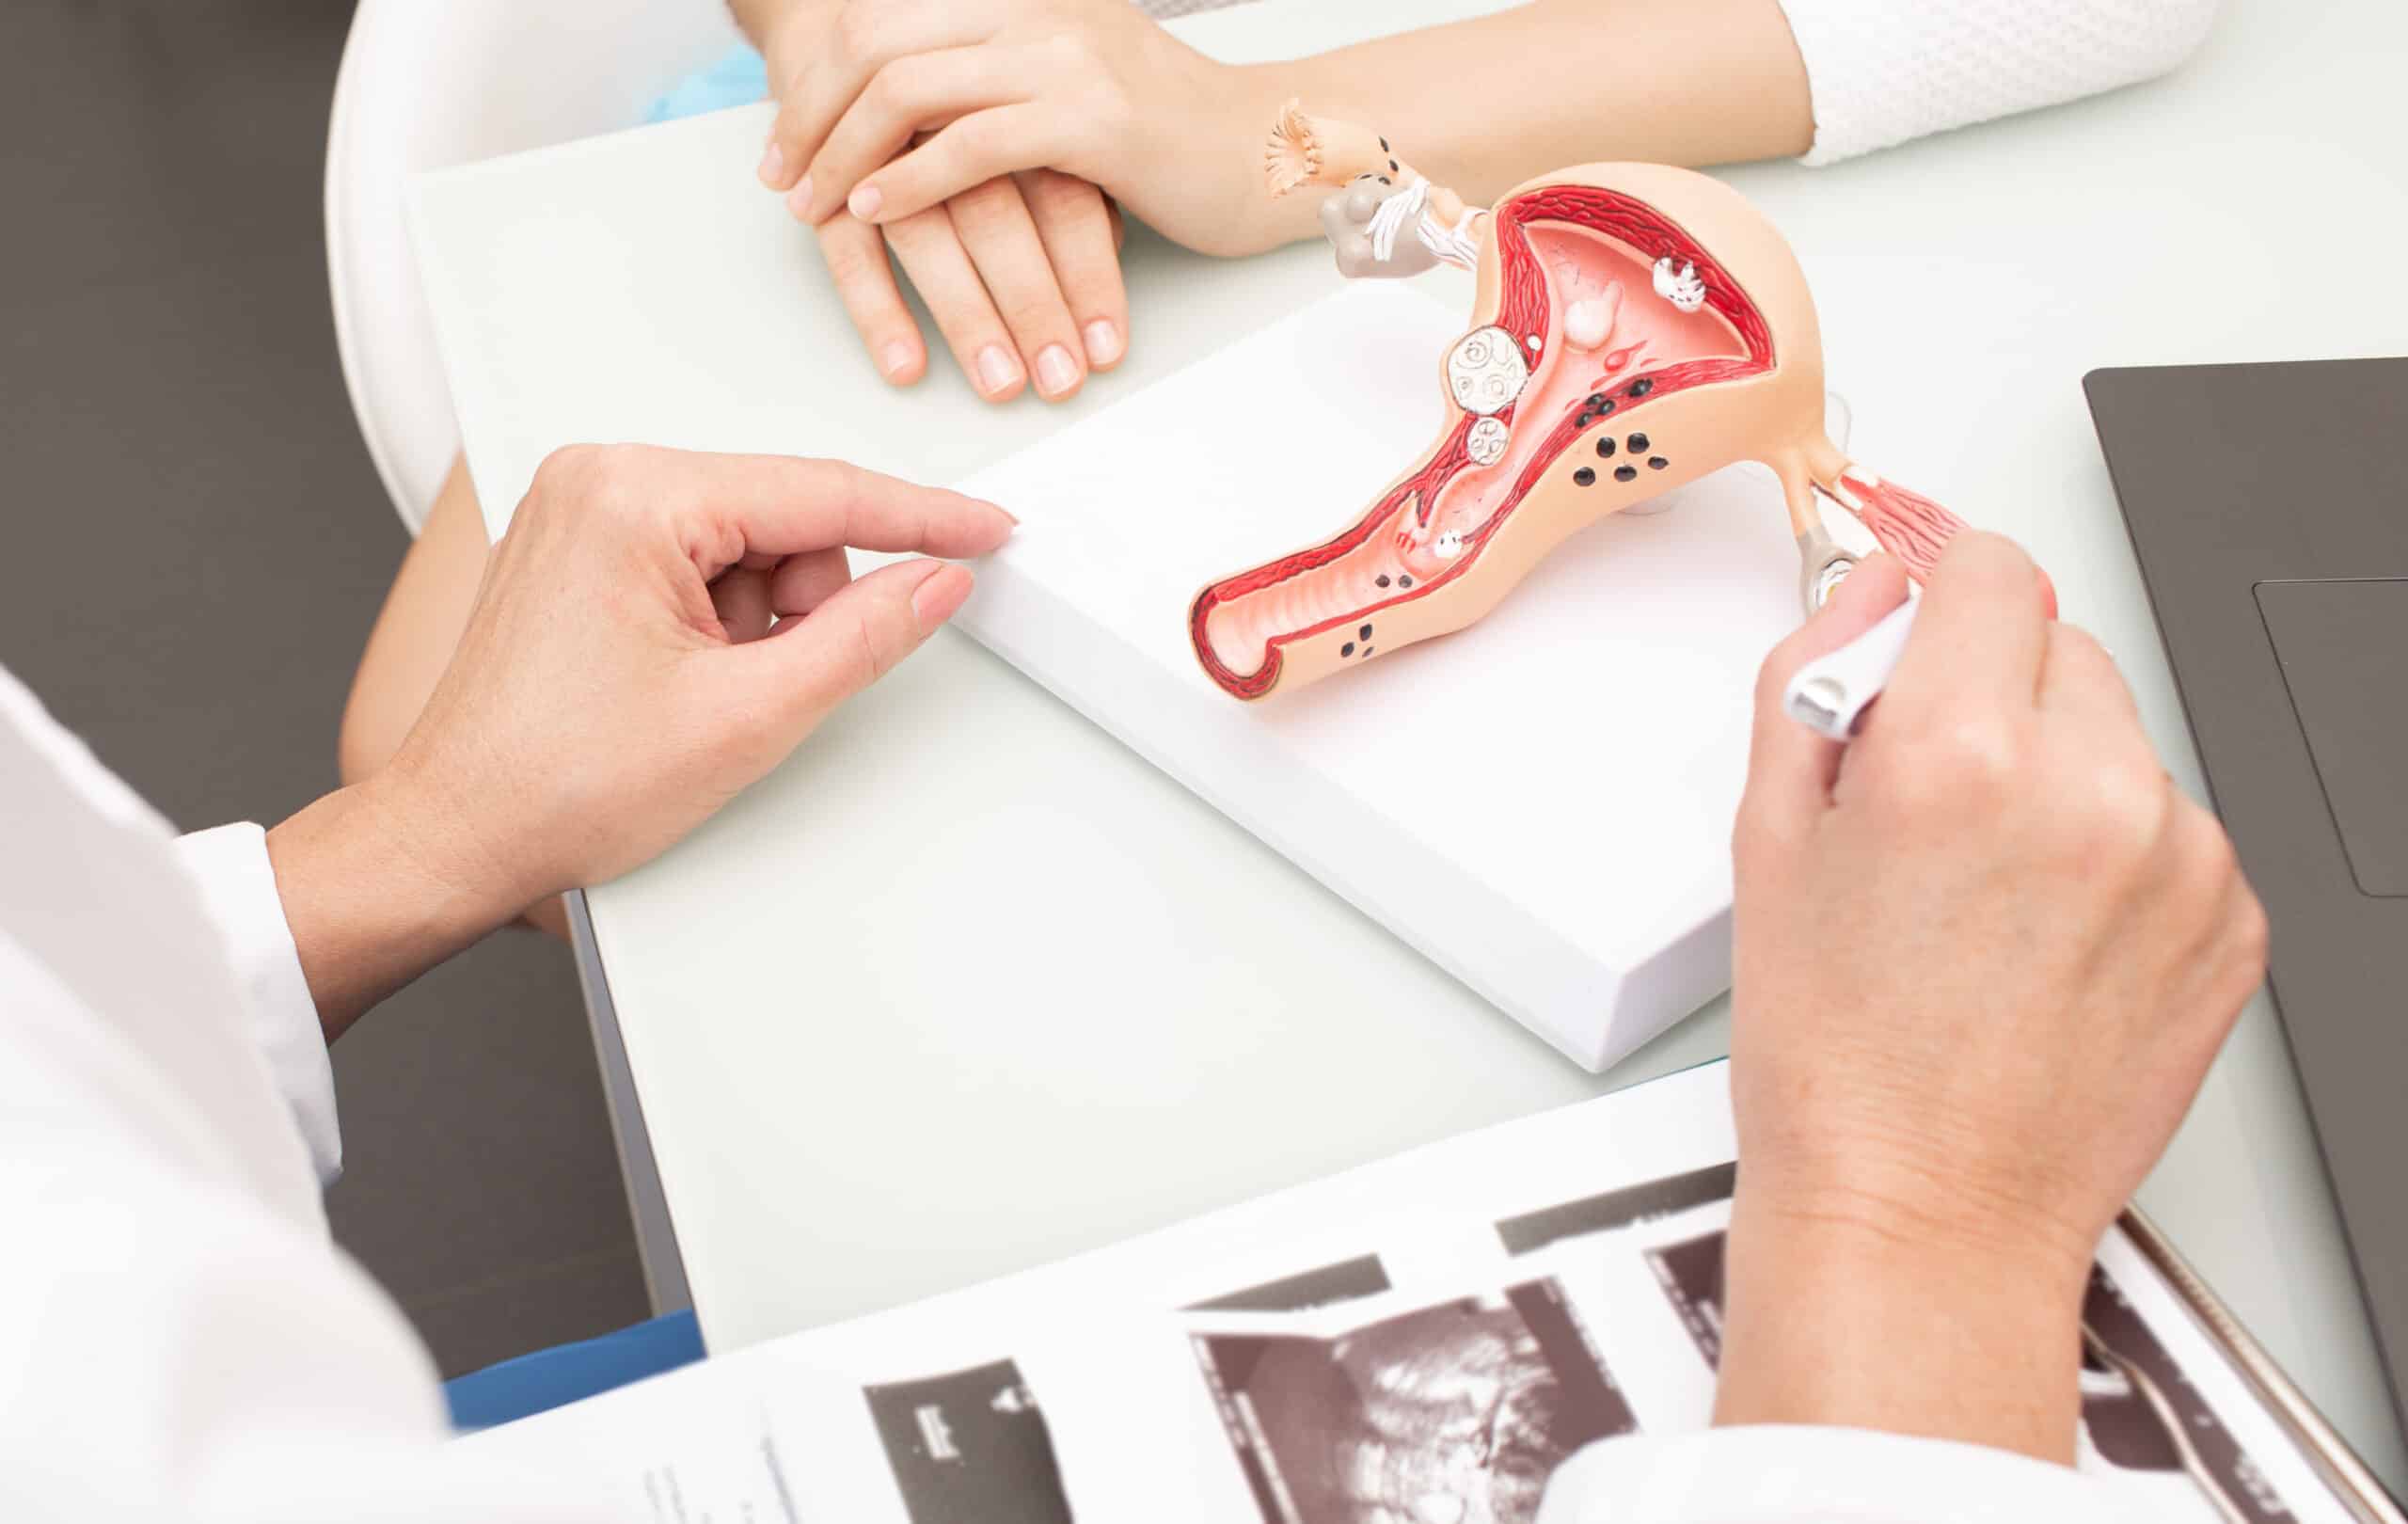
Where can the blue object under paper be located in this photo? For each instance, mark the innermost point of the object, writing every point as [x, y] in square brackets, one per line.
[554, 1377]
[738, 79]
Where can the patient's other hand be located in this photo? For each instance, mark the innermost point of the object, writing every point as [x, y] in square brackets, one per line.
[1022, 274]
[1346, 222]
[1021, 271]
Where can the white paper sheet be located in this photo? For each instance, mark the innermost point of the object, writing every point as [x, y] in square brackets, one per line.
[1577, 1251]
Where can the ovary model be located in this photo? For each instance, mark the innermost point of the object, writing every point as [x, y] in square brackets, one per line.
[1637, 326]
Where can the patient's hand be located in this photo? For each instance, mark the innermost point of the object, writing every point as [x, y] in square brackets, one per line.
[897, 107]
[1983, 959]
[1021, 271]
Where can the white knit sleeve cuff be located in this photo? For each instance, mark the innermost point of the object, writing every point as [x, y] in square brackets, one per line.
[1782, 1475]
[237, 883]
[1881, 73]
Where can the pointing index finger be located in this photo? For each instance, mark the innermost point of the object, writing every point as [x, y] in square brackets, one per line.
[780, 505]
[1981, 634]
[1790, 767]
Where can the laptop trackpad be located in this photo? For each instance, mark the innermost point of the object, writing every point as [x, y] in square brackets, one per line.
[2343, 648]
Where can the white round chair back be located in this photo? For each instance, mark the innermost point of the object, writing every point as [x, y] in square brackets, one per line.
[428, 84]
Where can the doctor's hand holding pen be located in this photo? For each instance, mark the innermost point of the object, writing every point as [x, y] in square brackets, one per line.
[1984, 955]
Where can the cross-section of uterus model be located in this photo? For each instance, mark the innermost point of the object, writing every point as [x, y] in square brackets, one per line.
[1637, 326]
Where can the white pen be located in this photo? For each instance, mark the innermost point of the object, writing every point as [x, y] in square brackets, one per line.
[1830, 694]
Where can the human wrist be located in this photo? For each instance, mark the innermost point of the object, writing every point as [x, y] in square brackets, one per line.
[377, 887]
[1848, 1312]
[1943, 1185]
[760, 19]
[454, 848]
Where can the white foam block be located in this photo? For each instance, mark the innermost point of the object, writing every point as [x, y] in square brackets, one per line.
[1540, 803]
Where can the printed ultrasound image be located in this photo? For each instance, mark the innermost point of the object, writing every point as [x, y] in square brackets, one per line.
[1347, 1280]
[2140, 1410]
[1643, 1202]
[2143, 1413]
[970, 1448]
[1690, 1273]
[1469, 1406]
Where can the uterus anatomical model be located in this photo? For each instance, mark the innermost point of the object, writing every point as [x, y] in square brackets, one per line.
[1637, 326]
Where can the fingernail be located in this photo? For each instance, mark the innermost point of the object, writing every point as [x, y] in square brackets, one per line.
[866, 201]
[773, 164]
[1104, 342]
[799, 199]
[934, 600]
[996, 371]
[899, 357]
[1005, 512]
[1056, 372]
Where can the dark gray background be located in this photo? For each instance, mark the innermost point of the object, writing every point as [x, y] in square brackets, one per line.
[195, 546]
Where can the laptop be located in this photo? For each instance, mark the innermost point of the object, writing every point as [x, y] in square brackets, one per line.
[2267, 506]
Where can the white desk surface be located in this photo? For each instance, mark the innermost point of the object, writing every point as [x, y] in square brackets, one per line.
[966, 986]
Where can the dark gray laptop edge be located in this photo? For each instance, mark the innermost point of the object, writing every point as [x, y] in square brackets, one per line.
[2267, 509]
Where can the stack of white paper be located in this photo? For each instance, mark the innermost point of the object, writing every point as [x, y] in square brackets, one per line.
[1540, 803]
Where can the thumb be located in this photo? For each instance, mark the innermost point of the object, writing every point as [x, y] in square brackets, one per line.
[1790, 769]
[809, 665]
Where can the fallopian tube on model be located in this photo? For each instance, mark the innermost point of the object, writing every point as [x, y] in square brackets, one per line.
[1637, 326]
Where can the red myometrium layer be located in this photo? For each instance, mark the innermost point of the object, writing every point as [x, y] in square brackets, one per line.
[1524, 312]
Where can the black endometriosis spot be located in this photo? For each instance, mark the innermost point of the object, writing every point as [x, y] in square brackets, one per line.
[1584, 476]
[1346, 650]
[1606, 447]
[1381, 581]
[1625, 473]
[1639, 444]
[1656, 463]
[1641, 386]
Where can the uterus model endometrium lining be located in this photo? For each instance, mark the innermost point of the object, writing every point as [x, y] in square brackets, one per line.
[1637, 326]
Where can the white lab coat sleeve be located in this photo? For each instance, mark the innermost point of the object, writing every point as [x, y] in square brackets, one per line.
[1884, 72]
[238, 888]
[1782, 1474]
[180, 1341]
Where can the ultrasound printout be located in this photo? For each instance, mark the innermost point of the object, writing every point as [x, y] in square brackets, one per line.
[1690, 1273]
[2139, 1412]
[1478, 1399]
[970, 1448]
[2142, 1414]
[1347, 1280]
[1643, 1202]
